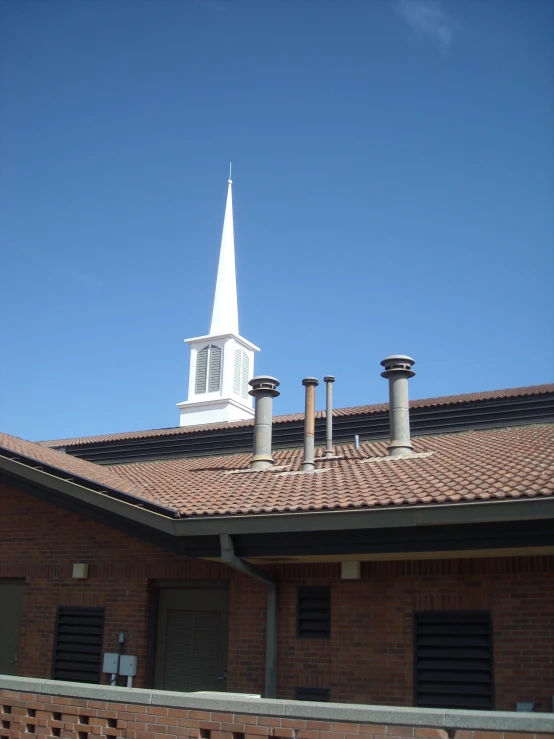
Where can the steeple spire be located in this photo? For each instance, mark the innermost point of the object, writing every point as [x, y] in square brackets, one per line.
[225, 316]
[221, 363]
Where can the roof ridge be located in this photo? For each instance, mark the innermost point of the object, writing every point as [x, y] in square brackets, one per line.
[290, 417]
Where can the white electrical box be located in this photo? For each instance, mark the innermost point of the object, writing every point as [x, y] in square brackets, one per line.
[128, 665]
[111, 660]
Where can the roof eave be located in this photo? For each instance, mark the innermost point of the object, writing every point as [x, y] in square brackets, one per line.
[163, 520]
[68, 482]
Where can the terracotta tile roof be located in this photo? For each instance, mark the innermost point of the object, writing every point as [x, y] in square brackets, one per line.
[13, 447]
[338, 412]
[450, 468]
[484, 465]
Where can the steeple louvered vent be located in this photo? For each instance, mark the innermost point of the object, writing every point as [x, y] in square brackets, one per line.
[237, 369]
[245, 373]
[201, 370]
[215, 369]
[241, 373]
[208, 369]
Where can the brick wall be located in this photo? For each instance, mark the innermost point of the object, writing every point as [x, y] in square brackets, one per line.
[41, 542]
[368, 658]
[25, 715]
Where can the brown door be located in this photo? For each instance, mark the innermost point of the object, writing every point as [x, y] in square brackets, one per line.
[192, 639]
[11, 608]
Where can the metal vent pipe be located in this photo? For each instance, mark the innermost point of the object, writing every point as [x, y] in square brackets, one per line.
[329, 380]
[310, 383]
[398, 369]
[264, 389]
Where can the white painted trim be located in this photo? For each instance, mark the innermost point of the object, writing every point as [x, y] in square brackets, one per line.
[215, 402]
[239, 339]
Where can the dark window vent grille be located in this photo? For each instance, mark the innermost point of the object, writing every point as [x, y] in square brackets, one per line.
[314, 613]
[453, 660]
[312, 694]
[78, 644]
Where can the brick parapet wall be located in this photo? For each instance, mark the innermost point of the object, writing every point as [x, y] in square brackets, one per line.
[154, 715]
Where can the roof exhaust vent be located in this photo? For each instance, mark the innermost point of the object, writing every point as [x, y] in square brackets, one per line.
[398, 369]
[329, 380]
[310, 383]
[264, 389]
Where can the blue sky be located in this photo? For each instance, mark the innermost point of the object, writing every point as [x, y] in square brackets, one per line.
[393, 168]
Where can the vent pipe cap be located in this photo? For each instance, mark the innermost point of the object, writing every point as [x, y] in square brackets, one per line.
[398, 363]
[328, 378]
[264, 384]
[310, 381]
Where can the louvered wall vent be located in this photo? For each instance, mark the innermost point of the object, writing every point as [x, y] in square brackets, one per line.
[311, 694]
[78, 644]
[314, 613]
[454, 660]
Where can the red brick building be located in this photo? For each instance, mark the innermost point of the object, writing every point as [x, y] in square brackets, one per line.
[422, 580]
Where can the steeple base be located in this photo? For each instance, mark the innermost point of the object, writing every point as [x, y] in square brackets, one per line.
[218, 410]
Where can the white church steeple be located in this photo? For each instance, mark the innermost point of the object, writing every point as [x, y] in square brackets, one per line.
[225, 314]
[222, 362]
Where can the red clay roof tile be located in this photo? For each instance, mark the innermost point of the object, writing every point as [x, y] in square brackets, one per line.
[14, 447]
[483, 465]
[471, 466]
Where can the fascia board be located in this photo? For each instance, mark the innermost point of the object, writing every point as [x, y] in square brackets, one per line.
[443, 514]
[103, 501]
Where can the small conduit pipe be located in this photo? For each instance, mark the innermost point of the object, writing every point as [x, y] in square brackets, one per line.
[310, 383]
[329, 380]
[398, 369]
[230, 558]
[264, 389]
